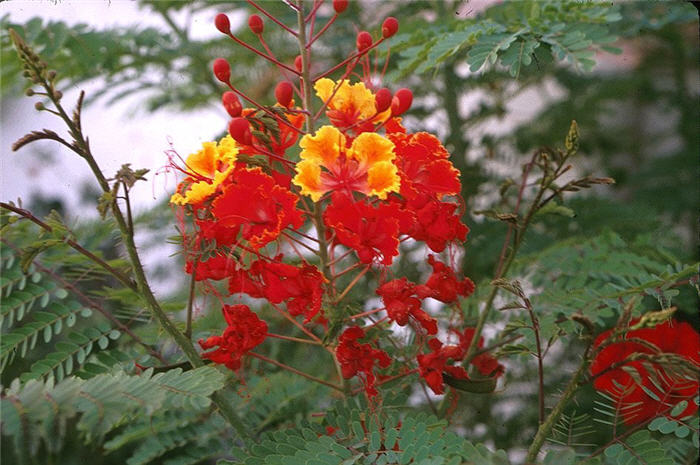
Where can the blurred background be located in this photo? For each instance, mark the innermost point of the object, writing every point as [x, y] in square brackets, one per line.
[145, 67]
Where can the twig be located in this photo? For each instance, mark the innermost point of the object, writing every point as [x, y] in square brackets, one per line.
[295, 371]
[128, 282]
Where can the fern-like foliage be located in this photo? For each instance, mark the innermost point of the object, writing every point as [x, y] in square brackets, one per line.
[35, 310]
[361, 438]
[37, 412]
[595, 279]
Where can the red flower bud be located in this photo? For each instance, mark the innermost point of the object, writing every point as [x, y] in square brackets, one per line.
[255, 23]
[389, 27]
[364, 41]
[284, 92]
[401, 102]
[239, 128]
[297, 63]
[222, 70]
[340, 5]
[231, 104]
[382, 99]
[222, 23]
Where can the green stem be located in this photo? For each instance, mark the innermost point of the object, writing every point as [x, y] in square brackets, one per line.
[82, 148]
[546, 427]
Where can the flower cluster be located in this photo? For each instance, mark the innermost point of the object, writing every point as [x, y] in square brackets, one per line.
[300, 231]
[357, 359]
[245, 331]
[636, 369]
[435, 365]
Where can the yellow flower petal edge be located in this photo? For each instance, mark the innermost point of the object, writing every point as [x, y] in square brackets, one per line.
[369, 148]
[308, 178]
[324, 146]
[349, 98]
[209, 167]
[382, 179]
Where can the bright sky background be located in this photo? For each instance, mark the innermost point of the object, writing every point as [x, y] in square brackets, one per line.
[117, 133]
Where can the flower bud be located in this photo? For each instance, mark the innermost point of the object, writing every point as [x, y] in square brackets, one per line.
[239, 128]
[389, 27]
[58, 95]
[364, 41]
[222, 23]
[39, 106]
[297, 63]
[51, 75]
[222, 70]
[382, 99]
[401, 102]
[255, 23]
[29, 92]
[231, 104]
[340, 5]
[284, 92]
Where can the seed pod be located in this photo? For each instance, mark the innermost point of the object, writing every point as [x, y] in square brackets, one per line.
[231, 104]
[222, 23]
[382, 99]
[222, 70]
[401, 102]
[239, 128]
[364, 41]
[255, 23]
[389, 27]
[284, 92]
[340, 5]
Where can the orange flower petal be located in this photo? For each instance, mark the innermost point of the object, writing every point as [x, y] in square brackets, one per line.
[383, 178]
[323, 147]
[308, 178]
[369, 148]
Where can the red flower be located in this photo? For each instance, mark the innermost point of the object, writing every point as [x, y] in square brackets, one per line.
[300, 286]
[358, 359]
[444, 285]
[645, 389]
[436, 224]
[402, 300]
[432, 366]
[424, 166]
[371, 230]
[216, 268]
[256, 205]
[244, 332]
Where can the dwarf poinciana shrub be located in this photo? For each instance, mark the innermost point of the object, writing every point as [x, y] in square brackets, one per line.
[293, 223]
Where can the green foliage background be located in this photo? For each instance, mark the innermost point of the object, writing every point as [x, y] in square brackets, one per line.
[68, 368]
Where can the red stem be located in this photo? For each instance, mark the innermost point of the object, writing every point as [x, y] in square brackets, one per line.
[279, 23]
[261, 54]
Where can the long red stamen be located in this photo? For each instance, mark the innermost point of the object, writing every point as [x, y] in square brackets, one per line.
[265, 56]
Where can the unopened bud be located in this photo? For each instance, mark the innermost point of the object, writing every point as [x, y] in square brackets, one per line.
[364, 41]
[239, 128]
[222, 23]
[222, 70]
[255, 23]
[298, 63]
[284, 92]
[29, 92]
[382, 99]
[340, 5]
[231, 104]
[51, 74]
[58, 95]
[389, 27]
[401, 102]
[39, 106]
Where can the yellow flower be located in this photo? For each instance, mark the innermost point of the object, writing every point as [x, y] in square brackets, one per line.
[350, 104]
[206, 170]
[327, 164]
